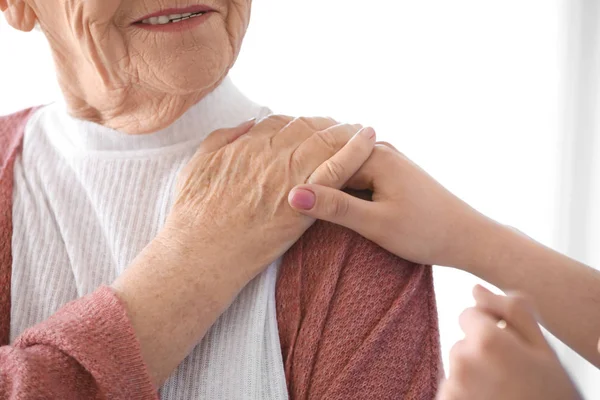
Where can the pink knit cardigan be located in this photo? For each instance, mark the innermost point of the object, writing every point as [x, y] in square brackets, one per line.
[354, 322]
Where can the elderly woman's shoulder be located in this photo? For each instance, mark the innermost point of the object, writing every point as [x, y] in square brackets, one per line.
[15, 121]
[335, 242]
[350, 312]
[19, 115]
[12, 128]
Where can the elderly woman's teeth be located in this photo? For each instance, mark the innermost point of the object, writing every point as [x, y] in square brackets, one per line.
[164, 19]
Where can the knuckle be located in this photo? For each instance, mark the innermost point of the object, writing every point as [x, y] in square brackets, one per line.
[307, 121]
[386, 152]
[359, 151]
[340, 134]
[328, 140]
[337, 206]
[486, 341]
[386, 158]
[314, 123]
[277, 121]
[382, 155]
[457, 352]
[350, 130]
[297, 162]
[389, 146]
[334, 172]
[465, 317]
[515, 306]
[279, 118]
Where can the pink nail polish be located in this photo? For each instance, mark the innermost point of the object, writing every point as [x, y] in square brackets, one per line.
[302, 199]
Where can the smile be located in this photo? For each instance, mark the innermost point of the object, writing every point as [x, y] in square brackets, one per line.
[171, 19]
[175, 19]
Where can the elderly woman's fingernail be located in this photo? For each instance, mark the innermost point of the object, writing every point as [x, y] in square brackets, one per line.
[245, 127]
[302, 199]
[368, 132]
[250, 122]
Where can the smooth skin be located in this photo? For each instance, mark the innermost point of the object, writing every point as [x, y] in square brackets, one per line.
[416, 218]
[508, 362]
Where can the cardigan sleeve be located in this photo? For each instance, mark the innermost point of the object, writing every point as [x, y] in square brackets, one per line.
[87, 350]
[356, 322]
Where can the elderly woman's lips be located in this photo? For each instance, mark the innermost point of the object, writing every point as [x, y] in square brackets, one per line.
[171, 20]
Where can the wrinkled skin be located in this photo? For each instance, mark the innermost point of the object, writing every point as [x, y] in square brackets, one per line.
[130, 79]
[236, 195]
[230, 220]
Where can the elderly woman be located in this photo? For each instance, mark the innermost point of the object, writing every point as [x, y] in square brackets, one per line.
[143, 256]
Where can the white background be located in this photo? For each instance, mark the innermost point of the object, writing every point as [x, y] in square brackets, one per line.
[471, 90]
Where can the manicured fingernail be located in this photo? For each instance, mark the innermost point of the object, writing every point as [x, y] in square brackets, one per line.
[368, 132]
[302, 199]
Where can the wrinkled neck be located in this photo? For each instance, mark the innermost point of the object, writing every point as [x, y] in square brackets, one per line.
[225, 106]
[136, 112]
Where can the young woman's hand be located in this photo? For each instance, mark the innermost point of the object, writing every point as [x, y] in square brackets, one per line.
[416, 218]
[411, 214]
[504, 355]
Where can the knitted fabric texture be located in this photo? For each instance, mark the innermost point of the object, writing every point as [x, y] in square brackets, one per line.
[354, 322]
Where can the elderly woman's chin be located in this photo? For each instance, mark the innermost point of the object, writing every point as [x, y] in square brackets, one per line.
[179, 72]
[188, 75]
[193, 62]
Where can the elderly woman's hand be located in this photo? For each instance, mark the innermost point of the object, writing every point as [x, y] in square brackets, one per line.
[504, 355]
[230, 220]
[235, 195]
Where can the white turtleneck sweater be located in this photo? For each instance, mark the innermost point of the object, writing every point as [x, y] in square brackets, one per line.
[88, 199]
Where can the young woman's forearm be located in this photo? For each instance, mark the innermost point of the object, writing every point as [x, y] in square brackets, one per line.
[416, 218]
[565, 293]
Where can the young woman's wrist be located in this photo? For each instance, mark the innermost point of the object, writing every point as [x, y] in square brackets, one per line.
[494, 250]
[479, 245]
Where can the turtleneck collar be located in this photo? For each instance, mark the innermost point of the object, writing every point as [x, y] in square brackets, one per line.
[225, 106]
